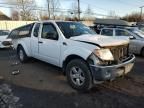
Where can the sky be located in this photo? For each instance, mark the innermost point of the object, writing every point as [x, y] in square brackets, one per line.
[120, 7]
[4, 10]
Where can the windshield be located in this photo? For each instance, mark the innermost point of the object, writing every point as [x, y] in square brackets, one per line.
[137, 32]
[71, 29]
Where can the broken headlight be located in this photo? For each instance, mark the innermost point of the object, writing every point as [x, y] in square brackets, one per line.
[104, 54]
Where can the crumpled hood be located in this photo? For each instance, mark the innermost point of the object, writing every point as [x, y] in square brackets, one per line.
[103, 41]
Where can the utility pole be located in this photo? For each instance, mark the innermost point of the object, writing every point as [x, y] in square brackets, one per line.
[141, 12]
[79, 10]
[48, 2]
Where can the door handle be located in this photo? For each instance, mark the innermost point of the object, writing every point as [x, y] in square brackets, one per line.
[64, 43]
[40, 42]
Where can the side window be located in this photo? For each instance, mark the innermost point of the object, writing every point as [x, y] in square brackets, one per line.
[36, 30]
[49, 32]
[13, 34]
[107, 32]
[122, 33]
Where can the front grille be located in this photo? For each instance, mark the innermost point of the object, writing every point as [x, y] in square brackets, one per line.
[120, 53]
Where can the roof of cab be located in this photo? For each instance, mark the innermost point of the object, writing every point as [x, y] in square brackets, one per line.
[117, 22]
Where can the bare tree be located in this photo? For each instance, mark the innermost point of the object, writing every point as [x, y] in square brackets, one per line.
[44, 17]
[61, 16]
[53, 7]
[74, 10]
[133, 17]
[112, 14]
[14, 14]
[26, 8]
[55, 4]
[48, 6]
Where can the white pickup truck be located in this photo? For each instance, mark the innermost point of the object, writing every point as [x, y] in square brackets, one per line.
[85, 57]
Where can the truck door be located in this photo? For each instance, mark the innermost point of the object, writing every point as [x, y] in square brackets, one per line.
[34, 40]
[49, 44]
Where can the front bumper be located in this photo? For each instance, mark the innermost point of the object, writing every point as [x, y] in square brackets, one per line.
[103, 73]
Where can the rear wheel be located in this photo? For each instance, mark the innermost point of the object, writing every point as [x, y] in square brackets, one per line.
[21, 54]
[78, 75]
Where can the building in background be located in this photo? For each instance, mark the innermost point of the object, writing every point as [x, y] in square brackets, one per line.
[4, 17]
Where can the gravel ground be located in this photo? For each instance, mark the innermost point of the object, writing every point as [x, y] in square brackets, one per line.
[40, 85]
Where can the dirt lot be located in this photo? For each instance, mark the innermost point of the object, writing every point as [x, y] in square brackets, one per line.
[40, 85]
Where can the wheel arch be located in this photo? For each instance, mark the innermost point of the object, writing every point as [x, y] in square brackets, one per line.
[68, 59]
[72, 57]
[74, 53]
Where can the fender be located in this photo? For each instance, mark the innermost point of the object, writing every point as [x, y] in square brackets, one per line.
[79, 51]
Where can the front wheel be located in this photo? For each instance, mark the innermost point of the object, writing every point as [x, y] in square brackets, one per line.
[79, 75]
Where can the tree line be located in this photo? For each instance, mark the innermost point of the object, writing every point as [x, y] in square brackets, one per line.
[28, 10]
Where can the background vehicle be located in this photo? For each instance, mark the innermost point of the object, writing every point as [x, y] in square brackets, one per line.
[106, 23]
[85, 57]
[3, 37]
[140, 25]
[135, 35]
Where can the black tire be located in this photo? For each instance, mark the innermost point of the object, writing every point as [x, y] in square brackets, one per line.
[142, 52]
[25, 57]
[80, 64]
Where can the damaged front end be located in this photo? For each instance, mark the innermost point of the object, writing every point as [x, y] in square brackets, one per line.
[111, 64]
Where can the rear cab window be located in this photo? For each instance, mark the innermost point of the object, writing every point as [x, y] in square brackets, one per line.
[25, 30]
[21, 32]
